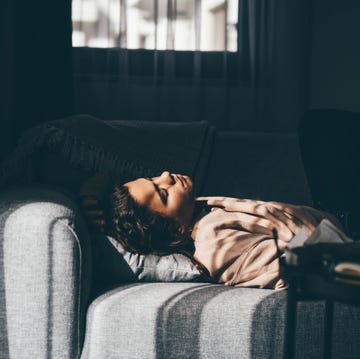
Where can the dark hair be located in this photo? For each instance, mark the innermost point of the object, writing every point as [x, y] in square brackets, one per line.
[143, 232]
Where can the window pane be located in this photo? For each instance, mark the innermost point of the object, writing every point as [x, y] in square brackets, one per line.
[156, 24]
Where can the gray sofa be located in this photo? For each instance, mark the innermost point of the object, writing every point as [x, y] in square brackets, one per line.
[47, 304]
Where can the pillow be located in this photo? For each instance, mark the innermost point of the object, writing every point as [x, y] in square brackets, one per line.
[113, 263]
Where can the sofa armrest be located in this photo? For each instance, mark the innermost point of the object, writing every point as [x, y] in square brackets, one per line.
[45, 274]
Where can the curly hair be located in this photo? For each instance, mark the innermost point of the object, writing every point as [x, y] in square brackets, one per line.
[140, 231]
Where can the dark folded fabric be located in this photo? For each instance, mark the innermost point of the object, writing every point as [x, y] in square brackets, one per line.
[127, 149]
[316, 256]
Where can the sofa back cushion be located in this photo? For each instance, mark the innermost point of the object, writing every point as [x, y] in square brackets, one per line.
[264, 166]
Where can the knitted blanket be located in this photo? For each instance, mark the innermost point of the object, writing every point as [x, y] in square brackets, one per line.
[127, 149]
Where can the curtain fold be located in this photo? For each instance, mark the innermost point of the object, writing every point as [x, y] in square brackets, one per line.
[36, 65]
[6, 74]
[274, 57]
[261, 87]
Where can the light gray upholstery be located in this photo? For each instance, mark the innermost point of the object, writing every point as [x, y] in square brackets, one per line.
[112, 259]
[45, 274]
[199, 320]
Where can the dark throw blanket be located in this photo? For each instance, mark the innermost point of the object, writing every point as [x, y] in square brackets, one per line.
[126, 149]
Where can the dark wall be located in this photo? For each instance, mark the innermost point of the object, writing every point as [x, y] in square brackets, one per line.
[335, 58]
[35, 65]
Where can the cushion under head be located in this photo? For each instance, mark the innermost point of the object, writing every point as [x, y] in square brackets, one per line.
[113, 264]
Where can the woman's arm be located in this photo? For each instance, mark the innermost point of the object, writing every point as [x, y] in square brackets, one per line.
[308, 217]
[283, 219]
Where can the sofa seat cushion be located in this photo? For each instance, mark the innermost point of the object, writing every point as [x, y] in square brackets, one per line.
[198, 320]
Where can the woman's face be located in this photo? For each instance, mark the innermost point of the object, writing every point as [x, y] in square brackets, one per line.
[170, 195]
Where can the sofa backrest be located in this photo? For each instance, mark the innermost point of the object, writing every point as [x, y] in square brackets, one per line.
[264, 166]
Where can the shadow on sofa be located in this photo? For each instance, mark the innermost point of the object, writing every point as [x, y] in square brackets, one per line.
[179, 320]
[199, 320]
[269, 317]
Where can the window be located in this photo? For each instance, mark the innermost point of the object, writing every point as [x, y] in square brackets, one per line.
[182, 25]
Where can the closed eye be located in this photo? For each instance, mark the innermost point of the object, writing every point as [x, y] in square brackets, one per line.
[162, 192]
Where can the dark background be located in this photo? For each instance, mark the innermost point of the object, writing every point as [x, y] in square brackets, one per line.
[36, 73]
[335, 55]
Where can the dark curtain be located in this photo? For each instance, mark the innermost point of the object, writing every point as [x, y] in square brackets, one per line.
[262, 87]
[35, 65]
[274, 50]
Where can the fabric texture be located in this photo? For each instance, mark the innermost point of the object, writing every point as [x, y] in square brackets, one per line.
[115, 265]
[199, 320]
[122, 148]
[45, 274]
[240, 241]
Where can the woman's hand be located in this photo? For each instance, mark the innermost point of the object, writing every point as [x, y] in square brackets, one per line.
[289, 219]
[281, 220]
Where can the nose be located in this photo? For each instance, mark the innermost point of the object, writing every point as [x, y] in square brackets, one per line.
[166, 178]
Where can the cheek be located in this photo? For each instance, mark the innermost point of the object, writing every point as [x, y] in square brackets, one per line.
[176, 204]
[183, 200]
[186, 207]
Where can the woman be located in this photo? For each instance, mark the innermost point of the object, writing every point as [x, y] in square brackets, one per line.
[233, 241]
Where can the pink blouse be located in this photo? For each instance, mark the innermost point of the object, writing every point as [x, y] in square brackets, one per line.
[236, 242]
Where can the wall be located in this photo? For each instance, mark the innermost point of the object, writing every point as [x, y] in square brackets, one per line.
[335, 58]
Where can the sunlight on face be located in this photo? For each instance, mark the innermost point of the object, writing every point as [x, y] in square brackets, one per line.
[170, 195]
